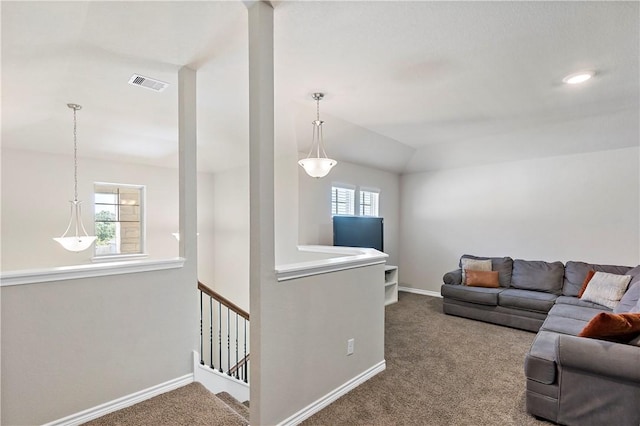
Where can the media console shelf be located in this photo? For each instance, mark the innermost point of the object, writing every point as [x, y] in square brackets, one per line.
[390, 284]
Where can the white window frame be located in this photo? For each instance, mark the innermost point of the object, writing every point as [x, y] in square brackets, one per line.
[375, 201]
[352, 198]
[143, 221]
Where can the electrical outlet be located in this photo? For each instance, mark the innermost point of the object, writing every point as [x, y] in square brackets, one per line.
[350, 346]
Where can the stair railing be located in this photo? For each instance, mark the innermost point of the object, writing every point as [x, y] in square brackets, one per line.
[223, 318]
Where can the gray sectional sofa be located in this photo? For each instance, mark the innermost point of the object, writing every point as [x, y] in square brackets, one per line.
[570, 380]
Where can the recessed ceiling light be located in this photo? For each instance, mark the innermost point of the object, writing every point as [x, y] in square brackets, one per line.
[579, 77]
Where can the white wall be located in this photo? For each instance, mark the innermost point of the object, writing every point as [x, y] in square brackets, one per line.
[286, 183]
[577, 207]
[223, 243]
[306, 331]
[286, 204]
[315, 225]
[71, 345]
[36, 188]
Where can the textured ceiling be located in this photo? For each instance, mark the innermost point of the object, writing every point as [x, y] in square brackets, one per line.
[410, 86]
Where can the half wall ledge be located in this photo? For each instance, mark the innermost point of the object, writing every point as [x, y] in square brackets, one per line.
[330, 259]
[63, 273]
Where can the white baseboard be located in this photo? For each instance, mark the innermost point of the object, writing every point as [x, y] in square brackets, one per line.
[120, 403]
[318, 405]
[420, 291]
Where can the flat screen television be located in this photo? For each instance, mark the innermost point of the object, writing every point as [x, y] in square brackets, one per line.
[358, 231]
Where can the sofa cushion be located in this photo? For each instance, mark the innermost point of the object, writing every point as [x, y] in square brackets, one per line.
[569, 319]
[480, 295]
[540, 362]
[570, 300]
[632, 296]
[536, 301]
[575, 273]
[582, 313]
[504, 266]
[537, 275]
[564, 325]
[630, 300]
[606, 289]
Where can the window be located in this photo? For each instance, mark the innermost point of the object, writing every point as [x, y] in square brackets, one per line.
[342, 200]
[119, 219]
[368, 203]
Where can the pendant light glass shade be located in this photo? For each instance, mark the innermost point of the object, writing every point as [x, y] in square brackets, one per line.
[75, 242]
[320, 165]
[317, 167]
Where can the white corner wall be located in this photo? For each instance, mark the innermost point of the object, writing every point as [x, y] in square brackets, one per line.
[315, 222]
[576, 207]
[37, 187]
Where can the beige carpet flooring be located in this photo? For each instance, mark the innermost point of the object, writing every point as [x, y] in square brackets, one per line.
[441, 370]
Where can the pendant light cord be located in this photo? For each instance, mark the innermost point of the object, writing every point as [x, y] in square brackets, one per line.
[75, 155]
[317, 142]
[320, 147]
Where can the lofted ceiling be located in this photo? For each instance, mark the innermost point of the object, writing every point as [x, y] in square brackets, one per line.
[410, 86]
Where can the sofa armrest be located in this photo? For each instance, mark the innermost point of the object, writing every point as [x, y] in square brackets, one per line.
[453, 277]
[600, 357]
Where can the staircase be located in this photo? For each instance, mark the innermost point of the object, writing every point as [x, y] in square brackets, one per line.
[222, 365]
[192, 404]
[241, 408]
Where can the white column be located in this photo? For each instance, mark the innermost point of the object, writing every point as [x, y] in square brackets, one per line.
[187, 162]
[188, 186]
[261, 178]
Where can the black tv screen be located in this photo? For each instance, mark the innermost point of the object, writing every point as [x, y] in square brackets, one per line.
[358, 231]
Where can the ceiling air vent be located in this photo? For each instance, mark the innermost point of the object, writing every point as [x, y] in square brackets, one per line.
[148, 83]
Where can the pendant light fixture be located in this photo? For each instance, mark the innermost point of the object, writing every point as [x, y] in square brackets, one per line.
[317, 166]
[75, 242]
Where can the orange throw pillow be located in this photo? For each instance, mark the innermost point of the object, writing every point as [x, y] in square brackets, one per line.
[590, 275]
[616, 327]
[481, 278]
